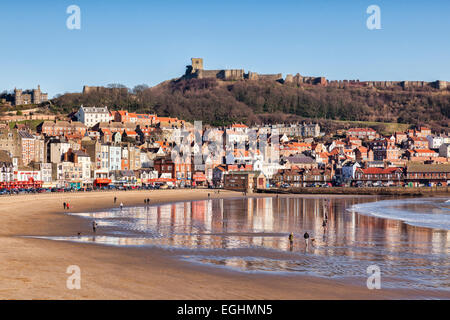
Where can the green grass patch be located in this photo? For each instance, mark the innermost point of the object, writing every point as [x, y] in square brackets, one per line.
[385, 128]
[31, 123]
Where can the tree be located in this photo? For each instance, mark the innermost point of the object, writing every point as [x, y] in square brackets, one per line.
[139, 88]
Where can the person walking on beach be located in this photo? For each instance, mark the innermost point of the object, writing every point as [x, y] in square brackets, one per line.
[115, 199]
[291, 237]
[64, 204]
[121, 206]
[148, 201]
[306, 236]
[94, 226]
[67, 206]
[324, 224]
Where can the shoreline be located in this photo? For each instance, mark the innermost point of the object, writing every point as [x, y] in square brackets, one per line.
[36, 268]
[384, 191]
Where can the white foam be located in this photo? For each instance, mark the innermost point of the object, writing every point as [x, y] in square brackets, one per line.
[435, 217]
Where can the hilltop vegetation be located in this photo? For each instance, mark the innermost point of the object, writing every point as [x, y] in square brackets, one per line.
[217, 102]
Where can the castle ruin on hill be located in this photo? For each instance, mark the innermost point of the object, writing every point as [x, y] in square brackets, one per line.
[196, 70]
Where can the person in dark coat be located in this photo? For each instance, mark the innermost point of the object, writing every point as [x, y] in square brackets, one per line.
[306, 236]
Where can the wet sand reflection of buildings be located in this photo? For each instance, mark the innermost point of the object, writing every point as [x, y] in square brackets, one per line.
[266, 222]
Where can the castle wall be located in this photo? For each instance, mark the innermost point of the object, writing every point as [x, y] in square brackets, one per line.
[232, 74]
[209, 73]
[88, 89]
[196, 71]
[269, 77]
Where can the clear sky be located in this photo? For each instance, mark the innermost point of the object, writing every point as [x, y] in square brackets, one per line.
[146, 42]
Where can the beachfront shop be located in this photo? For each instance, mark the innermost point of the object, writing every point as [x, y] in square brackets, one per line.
[102, 182]
[162, 181]
[50, 185]
[75, 184]
[126, 178]
[183, 182]
[29, 184]
[199, 179]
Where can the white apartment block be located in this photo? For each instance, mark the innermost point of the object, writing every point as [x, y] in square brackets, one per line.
[444, 150]
[435, 142]
[115, 158]
[90, 116]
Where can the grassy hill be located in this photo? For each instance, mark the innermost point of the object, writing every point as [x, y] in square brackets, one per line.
[218, 103]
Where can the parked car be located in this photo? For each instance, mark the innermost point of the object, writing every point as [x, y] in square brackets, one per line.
[377, 184]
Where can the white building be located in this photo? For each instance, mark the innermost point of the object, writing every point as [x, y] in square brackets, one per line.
[145, 160]
[444, 150]
[104, 157]
[84, 160]
[57, 149]
[90, 116]
[46, 172]
[435, 142]
[270, 168]
[115, 158]
[25, 174]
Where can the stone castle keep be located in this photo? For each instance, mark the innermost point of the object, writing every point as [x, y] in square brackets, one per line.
[196, 70]
[32, 96]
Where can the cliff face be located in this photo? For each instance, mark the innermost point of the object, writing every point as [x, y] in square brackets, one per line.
[220, 102]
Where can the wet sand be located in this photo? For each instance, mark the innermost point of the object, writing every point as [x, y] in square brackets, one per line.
[36, 268]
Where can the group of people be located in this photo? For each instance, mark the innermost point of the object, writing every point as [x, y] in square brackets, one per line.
[66, 205]
[306, 236]
[94, 223]
[121, 204]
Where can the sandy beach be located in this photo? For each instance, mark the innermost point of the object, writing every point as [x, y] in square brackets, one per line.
[36, 268]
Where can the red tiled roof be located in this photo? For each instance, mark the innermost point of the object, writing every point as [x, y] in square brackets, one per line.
[380, 170]
[423, 151]
[361, 130]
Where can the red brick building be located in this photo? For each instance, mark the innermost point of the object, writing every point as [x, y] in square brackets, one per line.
[384, 176]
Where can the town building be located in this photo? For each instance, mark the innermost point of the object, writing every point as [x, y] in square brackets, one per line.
[444, 150]
[90, 116]
[61, 128]
[362, 133]
[381, 176]
[31, 96]
[418, 175]
[244, 181]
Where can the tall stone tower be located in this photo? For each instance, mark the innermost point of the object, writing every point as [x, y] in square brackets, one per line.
[18, 97]
[197, 64]
[37, 95]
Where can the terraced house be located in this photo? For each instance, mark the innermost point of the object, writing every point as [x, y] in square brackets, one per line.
[428, 175]
[382, 176]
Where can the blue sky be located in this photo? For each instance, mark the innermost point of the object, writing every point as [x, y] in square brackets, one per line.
[135, 42]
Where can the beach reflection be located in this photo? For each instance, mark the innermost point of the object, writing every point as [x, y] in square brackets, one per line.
[254, 232]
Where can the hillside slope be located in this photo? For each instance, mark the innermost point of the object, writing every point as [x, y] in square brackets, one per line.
[217, 102]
